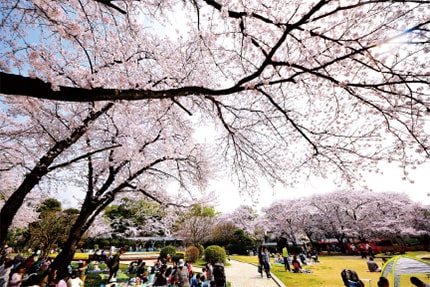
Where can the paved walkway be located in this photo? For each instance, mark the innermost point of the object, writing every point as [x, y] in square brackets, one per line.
[242, 274]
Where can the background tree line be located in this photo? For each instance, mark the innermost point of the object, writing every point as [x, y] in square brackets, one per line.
[341, 215]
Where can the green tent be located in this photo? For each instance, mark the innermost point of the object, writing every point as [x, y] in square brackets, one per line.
[399, 269]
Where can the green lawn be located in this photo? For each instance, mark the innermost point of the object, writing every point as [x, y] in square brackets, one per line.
[327, 272]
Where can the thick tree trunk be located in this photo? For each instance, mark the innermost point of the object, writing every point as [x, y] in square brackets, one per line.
[89, 211]
[66, 254]
[15, 201]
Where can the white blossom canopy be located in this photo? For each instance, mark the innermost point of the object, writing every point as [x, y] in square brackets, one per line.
[294, 87]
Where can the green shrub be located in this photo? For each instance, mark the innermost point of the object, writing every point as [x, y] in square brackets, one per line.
[166, 251]
[192, 254]
[177, 256]
[241, 243]
[215, 254]
[201, 250]
[235, 248]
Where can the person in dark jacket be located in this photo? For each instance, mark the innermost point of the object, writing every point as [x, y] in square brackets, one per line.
[264, 260]
[113, 264]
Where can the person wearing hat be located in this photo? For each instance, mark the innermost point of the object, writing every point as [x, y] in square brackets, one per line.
[182, 275]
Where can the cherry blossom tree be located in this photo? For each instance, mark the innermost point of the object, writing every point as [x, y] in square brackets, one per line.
[305, 87]
[38, 133]
[421, 219]
[27, 212]
[244, 217]
[290, 220]
[100, 228]
[364, 214]
[107, 154]
[140, 218]
[150, 152]
[347, 214]
[196, 224]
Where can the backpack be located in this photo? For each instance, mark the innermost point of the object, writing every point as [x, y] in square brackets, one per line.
[181, 276]
[160, 280]
[218, 272]
[109, 261]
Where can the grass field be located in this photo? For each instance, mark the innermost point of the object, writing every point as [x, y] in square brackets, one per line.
[324, 274]
[327, 272]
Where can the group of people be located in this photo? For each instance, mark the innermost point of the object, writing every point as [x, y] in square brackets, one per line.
[264, 261]
[383, 282]
[292, 264]
[182, 274]
[179, 274]
[35, 271]
[296, 262]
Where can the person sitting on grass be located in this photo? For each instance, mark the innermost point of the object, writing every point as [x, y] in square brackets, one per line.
[303, 259]
[372, 266]
[314, 255]
[297, 267]
[383, 282]
[279, 259]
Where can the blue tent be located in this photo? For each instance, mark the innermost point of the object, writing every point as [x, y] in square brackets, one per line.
[400, 265]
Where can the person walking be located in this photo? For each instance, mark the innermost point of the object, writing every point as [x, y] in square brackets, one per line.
[209, 274]
[182, 277]
[113, 264]
[285, 257]
[264, 260]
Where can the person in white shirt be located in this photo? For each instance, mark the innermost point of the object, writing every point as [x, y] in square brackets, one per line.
[74, 280]
[16, 278]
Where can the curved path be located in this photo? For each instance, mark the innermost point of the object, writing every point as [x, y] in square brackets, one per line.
[242, 274]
